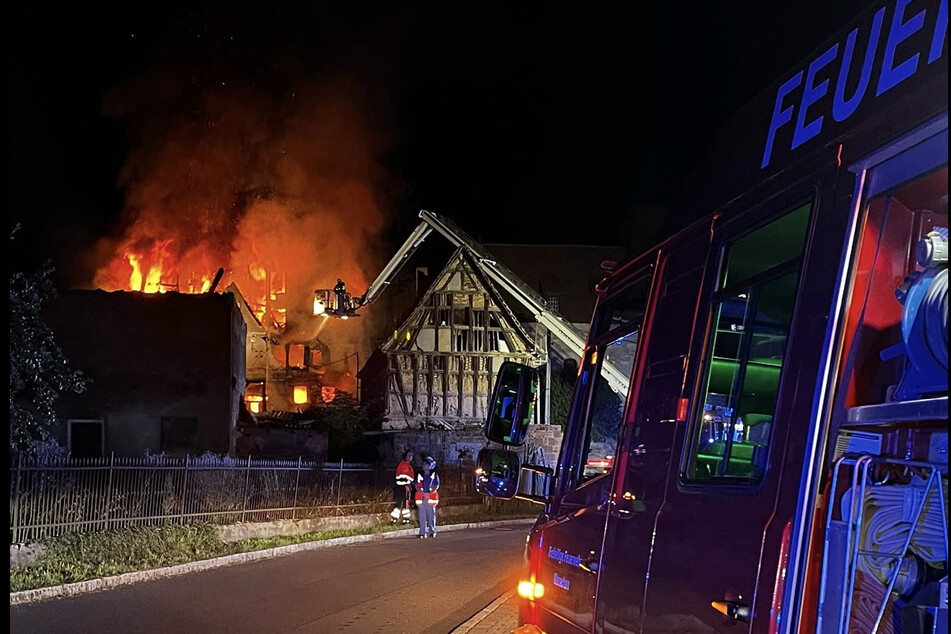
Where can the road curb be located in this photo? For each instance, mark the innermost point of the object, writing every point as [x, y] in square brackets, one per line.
[96, 585]
[483, 614]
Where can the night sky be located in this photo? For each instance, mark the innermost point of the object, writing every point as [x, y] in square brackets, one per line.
[521, 121]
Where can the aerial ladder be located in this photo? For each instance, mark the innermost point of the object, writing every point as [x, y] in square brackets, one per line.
[339, 303]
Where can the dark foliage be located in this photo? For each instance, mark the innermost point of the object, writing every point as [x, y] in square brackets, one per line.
[39, 372]
[345, 420]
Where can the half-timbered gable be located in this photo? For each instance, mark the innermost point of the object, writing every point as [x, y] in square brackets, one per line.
[441, 362]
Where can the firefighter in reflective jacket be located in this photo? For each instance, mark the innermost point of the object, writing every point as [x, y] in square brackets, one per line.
[402, 490]
[427, 497]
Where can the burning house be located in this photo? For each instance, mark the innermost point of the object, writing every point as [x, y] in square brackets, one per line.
[290, 364]
[280, 195]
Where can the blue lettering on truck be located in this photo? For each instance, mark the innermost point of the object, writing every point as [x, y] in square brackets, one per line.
[563, 558]
[561, 582]
[895, 66]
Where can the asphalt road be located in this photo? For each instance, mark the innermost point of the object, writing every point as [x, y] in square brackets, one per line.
[401, 585]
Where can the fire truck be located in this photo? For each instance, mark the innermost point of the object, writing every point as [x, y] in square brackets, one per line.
[779, 459]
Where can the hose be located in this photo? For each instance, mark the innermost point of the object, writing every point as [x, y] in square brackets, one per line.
[886, 517]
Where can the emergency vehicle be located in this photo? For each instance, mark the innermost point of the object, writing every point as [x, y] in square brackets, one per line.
[779, 460]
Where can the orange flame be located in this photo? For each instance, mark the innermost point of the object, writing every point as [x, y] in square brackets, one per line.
[135, 279]
[273, 255]
[160, 268]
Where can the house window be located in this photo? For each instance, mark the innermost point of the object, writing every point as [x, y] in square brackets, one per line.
[551, 303]
[300, 394]
[179, 433]
[86, 438]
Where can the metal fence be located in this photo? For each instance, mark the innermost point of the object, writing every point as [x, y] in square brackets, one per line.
[50, 497]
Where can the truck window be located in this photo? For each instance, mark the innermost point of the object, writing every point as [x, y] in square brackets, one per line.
[752, 310]
[617, 326]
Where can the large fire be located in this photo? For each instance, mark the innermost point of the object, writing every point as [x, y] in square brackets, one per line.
[275, 259]
[159, 268]
[278, 190]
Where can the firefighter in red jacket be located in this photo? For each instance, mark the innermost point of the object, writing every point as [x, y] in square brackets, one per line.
[427, 497]
[402, 490]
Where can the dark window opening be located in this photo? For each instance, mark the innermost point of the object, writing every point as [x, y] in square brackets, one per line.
[86, 438]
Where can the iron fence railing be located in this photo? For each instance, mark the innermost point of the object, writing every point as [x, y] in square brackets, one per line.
[50, 497]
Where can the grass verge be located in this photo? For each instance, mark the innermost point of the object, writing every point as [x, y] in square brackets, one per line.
[83, 556]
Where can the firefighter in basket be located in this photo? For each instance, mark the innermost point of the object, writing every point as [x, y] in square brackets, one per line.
[402, 490]
[427, 497]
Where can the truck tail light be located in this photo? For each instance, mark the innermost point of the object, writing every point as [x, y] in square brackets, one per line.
[776, 608]
[530, 589]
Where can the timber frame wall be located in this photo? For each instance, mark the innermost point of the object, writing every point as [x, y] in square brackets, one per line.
[442, 361]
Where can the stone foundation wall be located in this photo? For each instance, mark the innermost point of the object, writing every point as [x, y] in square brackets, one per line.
[461, 447]
[542, 445]
[448, 447]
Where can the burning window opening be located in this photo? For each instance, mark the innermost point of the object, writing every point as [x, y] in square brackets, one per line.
[254, 397]
[295, 356]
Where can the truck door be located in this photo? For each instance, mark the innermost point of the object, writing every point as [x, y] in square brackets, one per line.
[652, 423]
[719, 511]
[570, 543]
